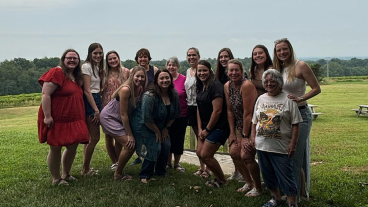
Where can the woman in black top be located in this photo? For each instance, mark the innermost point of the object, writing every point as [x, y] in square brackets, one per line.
[213, 128]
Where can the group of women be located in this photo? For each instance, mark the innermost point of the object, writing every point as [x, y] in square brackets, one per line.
[146, 110]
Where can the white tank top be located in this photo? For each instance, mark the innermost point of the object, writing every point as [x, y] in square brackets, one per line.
[296, 87]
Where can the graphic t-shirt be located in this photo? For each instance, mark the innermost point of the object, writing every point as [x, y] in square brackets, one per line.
[274, 116]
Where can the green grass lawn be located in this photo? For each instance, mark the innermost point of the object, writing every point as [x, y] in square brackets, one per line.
[339, 143]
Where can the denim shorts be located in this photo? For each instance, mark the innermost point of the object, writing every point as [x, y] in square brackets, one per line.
[88, 108]
[218, 136]
[277, 172]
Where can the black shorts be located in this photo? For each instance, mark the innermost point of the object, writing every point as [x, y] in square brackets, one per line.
[192, 116]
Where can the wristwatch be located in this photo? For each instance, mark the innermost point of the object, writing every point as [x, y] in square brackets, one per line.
[244, 136]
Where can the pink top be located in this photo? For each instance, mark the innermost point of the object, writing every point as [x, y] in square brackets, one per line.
[180, 88]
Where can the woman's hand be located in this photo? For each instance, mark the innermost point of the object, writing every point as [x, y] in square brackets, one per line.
[203, 134]
[158, 136]
[131, 142]
[232, 140]
[49, 121]
[294, 98]
[96, 118]
[291, 149]
[164, 134]
[248, 145]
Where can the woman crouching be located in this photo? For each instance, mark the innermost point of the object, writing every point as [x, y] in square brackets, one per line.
[275, 132]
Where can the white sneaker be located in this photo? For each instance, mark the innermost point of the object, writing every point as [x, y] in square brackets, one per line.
[235, 176]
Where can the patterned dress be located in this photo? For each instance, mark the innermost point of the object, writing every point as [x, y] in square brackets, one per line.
[236, 104]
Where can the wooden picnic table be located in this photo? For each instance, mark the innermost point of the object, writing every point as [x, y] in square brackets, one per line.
[313, 110]
[363, 110]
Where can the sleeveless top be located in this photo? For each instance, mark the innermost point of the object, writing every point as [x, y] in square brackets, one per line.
[191, 89]
[130, 106]
[259, 87]
[150, 75]
[296, 86]
[236, 104]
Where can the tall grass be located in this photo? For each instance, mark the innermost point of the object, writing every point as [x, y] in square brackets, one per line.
[339, 165]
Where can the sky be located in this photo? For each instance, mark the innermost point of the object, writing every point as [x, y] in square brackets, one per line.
[316, 28]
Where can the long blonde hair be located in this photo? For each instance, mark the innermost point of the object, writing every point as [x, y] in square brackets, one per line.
[107, 70]
[130, 83]
[279, 65]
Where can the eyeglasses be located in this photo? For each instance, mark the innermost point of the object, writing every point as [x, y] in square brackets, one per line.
[71, 58]
[281, 40]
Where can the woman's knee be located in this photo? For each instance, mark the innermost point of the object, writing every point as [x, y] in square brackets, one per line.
[234, 153]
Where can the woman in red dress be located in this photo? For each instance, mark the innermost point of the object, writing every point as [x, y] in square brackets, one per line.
[61, 118]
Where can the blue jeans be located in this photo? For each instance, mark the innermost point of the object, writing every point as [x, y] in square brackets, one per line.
[159, 167]
[301, 157]
[277, 172]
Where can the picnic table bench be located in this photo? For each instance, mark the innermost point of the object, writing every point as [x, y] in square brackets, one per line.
[313, 110]
[363, 110]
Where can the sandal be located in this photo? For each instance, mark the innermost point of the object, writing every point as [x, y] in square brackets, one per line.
[70, 178]
[90, 172]
[59, 182]
[146, 181]
[198, 172]
[206, 173]
[179, 168]
[123, 176]
[253, 193]
[114, 166]
[215, 183]
[244, 189]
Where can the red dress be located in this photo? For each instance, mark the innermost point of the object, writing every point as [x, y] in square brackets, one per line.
[67, 111]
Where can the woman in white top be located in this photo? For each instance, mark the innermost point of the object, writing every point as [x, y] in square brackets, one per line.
[296, 74]
[92, 70]
[190, 88]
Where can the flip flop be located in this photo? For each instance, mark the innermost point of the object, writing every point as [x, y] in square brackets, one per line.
[60, 182]
[123, 176]
[215, 183]
[70, 178]
[244, 189]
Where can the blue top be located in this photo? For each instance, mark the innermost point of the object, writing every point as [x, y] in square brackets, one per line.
[150, 75]
[152, 110]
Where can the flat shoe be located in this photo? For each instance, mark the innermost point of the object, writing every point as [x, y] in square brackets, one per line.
[59, 182]
[70, 178]
[244, 189]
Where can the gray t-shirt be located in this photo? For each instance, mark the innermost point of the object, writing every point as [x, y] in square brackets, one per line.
[274, 116]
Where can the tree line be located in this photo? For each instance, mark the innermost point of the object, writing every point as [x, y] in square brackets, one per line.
[20, 76]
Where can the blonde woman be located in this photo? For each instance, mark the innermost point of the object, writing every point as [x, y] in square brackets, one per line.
[114, 75]
[296, 74]
[116, 115]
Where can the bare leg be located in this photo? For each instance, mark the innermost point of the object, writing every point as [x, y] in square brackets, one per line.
[276, 194]
[201, 164]
[94, 133]
[53, 162]
[252, 166]
[207, 152]
[68, 158]
[124, 156]
[239, 163]
[292, 199]
[177, 159]
[169, 160]
[109, 142]
[302, 184]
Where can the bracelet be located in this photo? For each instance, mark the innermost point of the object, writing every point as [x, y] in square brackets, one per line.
[301, 99]
[207, 130]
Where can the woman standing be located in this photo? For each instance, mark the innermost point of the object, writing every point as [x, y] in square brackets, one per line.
[151, 122]
[114, 75]
[296, 74]
[241, 96]
[274, 133]
[223, 58]
[191, 91]
[92, 71]
[261, 61]
[213, 128]
[116, 115]
[179, 127]
[59, 122]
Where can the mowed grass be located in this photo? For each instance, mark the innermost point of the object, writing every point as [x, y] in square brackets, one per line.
[339, 165]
